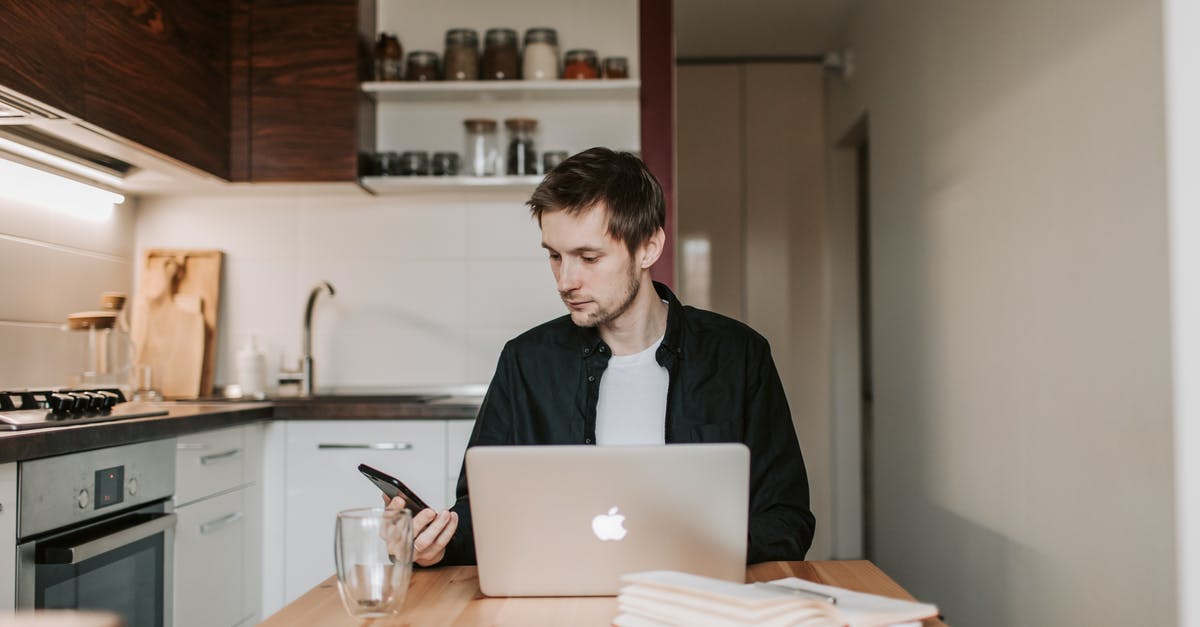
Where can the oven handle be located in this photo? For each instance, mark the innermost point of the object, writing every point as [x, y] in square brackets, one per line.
[99, 546]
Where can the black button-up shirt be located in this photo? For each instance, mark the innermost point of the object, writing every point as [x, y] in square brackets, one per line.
[723, 388]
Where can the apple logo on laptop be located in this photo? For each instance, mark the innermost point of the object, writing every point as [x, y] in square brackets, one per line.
[610, 526]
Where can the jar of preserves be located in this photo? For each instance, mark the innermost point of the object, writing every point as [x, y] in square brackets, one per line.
[615, 67]
[581, 63]
[461, 59]
[539, 61]
[422, 66]
[482, 148]
[500, 54]
[522, 155]
[389, 58]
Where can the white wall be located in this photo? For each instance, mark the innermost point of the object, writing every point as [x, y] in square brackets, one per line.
[1021, 309]
[429, 287]
[54, 263]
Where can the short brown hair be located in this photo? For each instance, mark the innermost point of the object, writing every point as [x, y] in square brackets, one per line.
[633, 197]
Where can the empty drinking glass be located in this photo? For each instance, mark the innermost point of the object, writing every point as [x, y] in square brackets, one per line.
[372, 582]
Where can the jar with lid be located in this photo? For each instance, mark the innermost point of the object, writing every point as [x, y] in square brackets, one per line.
[445, 164]
[581, 63]
[461, 59]
[482, 148]
[414, 163]
[500, 54]
[615, 67]
[540, 59]
[422, 66]
[389, 58]
[522, 155]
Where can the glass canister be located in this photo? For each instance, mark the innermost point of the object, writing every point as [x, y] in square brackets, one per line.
[581, 63]
[389, 57]
[615, 67]
[422, 66]
[540, 59]
[461, 59]
[500, 57]
[522, 155]
[482, 148]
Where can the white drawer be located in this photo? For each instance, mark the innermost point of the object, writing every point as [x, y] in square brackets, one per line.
[210, 546]
[209, 462]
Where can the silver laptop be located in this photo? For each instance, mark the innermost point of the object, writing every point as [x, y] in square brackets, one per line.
[570, 520]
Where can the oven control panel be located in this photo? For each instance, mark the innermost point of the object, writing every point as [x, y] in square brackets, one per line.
[55, 492]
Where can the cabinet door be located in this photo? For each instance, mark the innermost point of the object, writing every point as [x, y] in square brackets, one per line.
[210, 549]
[323, 479]
[307, 116]
[8, 537]
[158, 73]
[209, 462]
[43, 57]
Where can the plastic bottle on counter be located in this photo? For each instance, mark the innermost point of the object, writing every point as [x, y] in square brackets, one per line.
[252, 369]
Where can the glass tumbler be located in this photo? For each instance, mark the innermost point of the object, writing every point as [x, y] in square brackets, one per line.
[371, 579]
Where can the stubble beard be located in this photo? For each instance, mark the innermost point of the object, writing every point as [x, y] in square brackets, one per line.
[604, 316]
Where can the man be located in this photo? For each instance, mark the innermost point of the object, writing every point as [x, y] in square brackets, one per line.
[630, 364]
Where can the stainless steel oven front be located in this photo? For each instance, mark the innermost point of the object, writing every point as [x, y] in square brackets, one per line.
[96, 532]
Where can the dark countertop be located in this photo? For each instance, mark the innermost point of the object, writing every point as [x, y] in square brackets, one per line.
[191, 416]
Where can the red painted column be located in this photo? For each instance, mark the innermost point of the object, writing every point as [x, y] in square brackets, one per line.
[657, 71]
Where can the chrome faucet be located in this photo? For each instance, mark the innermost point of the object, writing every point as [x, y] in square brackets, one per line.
[304, 374]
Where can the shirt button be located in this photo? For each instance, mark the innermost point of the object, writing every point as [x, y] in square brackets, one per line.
[587, 440]
[591, 378]
[587, 351]
[601, 349]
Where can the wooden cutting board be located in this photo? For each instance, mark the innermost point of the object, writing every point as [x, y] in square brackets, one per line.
[175, 319]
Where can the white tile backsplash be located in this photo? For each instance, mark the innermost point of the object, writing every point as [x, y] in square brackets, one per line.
[429, 286]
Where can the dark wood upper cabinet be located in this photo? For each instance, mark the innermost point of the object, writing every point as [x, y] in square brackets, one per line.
[307, 117]
[41, 54]
[157, 72]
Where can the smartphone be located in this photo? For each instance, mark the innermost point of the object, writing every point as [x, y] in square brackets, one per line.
[393, 487]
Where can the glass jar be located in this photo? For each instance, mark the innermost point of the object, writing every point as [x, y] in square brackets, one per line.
[462, 55]
[389, 57]
[387, 163]
[522, 155]
[615, 67]
[539, 61]
[422, 66]
[445, 164]
[551, 159]
[482, 148]
[581, 63]
[414, 163]
[500, 54]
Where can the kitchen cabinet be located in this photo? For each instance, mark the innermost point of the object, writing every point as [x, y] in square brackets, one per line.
[43, 58]
[8, 537]
[217, 494]
[322, 479]
[305, 118]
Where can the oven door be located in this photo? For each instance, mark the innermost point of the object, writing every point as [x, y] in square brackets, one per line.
[121, 565]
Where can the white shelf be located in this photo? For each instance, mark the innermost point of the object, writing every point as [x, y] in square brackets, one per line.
[401, 91]
[405, 184]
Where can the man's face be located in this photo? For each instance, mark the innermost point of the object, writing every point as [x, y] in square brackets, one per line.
[595, 273]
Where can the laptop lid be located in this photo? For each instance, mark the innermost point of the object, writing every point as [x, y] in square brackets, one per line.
[570, 520]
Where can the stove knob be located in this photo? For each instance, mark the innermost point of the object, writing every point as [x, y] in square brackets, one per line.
[61, 403]
[133, 486]
[81, 401]
[83, 499]
[110, 399]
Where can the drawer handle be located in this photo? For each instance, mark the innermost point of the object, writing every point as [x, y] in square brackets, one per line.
[216, 457]
[378, 446]
[224, 521]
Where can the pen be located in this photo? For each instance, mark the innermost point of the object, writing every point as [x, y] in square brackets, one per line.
[832, 600]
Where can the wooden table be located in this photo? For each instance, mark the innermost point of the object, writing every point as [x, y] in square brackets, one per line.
[451, 596]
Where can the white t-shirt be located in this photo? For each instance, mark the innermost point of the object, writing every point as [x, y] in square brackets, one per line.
[632, 408]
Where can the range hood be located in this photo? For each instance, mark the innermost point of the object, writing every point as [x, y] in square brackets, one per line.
[43, 137]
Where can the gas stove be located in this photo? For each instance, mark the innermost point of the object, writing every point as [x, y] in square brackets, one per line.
[43, 409]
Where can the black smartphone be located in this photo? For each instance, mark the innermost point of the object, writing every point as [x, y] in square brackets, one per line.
[393, 487]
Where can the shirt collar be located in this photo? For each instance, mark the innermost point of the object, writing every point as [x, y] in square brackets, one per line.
[672, 344]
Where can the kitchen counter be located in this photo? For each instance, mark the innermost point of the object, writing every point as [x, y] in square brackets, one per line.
[185, 417]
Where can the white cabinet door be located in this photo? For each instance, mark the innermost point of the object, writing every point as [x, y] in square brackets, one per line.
[209, 462]
[458, 434]
[210, 554]
[8, 537]
[322, 479]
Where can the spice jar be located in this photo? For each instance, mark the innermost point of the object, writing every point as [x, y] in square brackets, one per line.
[422, 66]
[414, 163]
[482, 148]
[551, 159]
[615, 67]
[581, 63]
[462, 55]
[540, 59]
[445, 163]
[389, 55]
[522, 156]
[500, 54]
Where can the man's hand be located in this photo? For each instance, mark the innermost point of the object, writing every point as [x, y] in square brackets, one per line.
[431, 532]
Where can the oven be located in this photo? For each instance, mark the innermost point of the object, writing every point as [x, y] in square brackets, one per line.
[96, 532]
